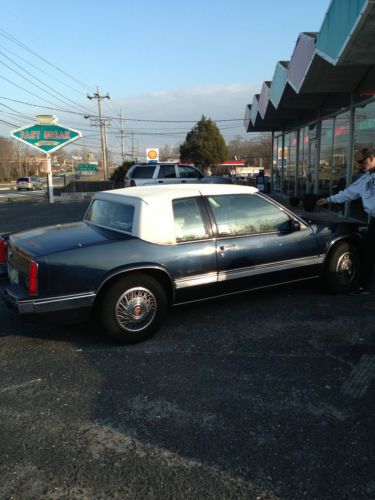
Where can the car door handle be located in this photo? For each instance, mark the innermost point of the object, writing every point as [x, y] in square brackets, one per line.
[161, 182]
[223, 248]
[182, 182]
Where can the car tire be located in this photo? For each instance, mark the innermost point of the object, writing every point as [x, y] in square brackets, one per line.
[343, 268]
[133, 308]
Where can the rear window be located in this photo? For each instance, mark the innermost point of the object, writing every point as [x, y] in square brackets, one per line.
[111, 214]
[23, 179]
[143, 172]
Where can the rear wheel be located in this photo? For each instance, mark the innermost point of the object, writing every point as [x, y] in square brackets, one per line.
[343, 268]
[133, 308]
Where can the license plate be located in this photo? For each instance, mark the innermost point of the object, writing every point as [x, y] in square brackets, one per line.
[13, 274]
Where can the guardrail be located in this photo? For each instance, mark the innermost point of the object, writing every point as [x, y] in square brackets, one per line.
[87, 187]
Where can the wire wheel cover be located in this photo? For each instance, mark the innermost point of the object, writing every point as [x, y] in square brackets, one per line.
[346, 268]
[135, 309]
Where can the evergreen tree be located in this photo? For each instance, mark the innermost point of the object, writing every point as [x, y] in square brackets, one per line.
[119, 173]
[204, 145]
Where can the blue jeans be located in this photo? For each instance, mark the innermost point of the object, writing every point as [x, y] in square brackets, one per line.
[368, 265]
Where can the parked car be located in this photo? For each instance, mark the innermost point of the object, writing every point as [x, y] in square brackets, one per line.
[139, 251]
[30, 183]
[144, 174]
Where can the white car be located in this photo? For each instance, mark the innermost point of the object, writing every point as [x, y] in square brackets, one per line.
[147, 174]
[29, 183]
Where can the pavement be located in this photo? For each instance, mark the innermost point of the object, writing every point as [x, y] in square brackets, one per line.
[264, 395]
[26, 213]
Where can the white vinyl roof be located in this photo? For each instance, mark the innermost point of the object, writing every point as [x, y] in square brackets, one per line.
[153, 215]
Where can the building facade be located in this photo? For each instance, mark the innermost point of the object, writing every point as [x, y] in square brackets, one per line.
[320, 105]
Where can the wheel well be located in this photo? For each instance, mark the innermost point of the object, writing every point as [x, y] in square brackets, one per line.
[347, 239]
[159, 275]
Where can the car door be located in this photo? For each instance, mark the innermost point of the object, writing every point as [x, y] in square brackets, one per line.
[193, 263]
[167, 174]
[259, 244]
[188, 174]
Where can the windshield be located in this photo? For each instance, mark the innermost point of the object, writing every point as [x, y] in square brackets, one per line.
[111, 214]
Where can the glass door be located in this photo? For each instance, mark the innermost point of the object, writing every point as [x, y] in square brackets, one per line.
[312, 170]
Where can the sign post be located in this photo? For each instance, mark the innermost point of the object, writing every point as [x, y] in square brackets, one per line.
[46, 136]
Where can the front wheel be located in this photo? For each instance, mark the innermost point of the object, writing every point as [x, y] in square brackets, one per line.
[343, 268]
[133, 308]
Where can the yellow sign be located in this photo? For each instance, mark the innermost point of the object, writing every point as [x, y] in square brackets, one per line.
[152, 154]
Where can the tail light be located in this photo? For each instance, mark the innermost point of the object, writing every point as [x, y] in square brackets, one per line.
[33, 278]
[3, 251]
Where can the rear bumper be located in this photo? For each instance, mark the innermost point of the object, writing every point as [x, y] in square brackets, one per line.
[47, 304]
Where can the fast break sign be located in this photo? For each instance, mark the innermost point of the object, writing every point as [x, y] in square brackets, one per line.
[44, 136]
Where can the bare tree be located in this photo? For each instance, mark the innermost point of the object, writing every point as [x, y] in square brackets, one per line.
[165, 152]
[8, 160]
[256, 151]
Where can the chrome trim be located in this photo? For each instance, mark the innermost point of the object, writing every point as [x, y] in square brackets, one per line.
[270, 268]
[202, 279]
[50, 304]
[322, 258]
[213, 297]
[205, 279]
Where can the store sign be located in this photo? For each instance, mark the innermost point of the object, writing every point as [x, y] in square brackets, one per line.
[45, 135]
[368, 124]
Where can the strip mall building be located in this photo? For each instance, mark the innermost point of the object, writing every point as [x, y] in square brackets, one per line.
[320, 105]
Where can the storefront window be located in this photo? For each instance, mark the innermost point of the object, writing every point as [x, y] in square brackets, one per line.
[325, 162]
[340, 151]
[364, 137]
[364, 130]
[279, 163]
[274, 162]
[302, 161]
[290, 156]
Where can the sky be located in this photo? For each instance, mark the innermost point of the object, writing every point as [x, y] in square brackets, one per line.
[162, 61]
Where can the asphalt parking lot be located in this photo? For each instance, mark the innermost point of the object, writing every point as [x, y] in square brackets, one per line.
[266, 395]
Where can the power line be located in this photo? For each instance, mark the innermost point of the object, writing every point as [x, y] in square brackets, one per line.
[35, 84]
[115, 117]
[41, 70]
[25, 47]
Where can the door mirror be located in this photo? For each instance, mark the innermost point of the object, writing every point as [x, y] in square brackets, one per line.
[289, 226]
[294, 225]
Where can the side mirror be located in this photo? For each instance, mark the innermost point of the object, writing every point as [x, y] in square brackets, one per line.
[294, 225]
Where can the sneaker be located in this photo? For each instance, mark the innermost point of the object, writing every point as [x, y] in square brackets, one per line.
[360, 291]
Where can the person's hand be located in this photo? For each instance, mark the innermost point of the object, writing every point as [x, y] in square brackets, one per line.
[321, 202]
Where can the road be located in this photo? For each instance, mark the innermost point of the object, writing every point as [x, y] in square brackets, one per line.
[265, 395]
[8, 190]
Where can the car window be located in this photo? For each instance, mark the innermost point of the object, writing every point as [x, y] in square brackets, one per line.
[143, 172]
[188, 172]
[189, 225]
[111, 214]
[167, 171]
[23, 179]
[241, 214]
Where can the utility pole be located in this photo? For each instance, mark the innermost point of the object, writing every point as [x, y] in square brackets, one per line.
[102, 127]
[122, 135]
[132, 145]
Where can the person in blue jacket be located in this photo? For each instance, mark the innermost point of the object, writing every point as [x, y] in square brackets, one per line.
[364, 188]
